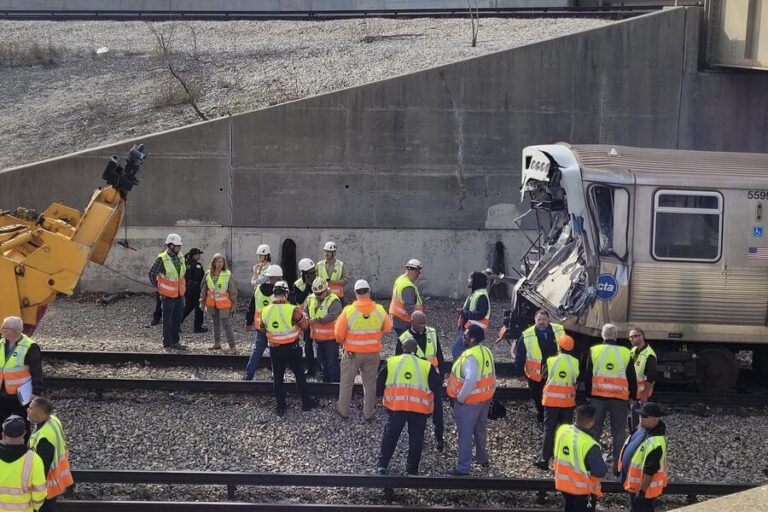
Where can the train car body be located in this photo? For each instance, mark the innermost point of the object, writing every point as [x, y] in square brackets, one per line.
[674, 242]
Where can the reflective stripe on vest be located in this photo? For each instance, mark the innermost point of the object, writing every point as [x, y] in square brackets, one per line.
[22, 483]
[334, 275]
[634, 479]
[407, 385]
[641, 359]
[218, 293]
[317, 310]
[430, 354]
[562, 374]
[533, 350]
[260, 301]
[364, 334]
[277, 320]
[471, 305]
[397, 306]
[171, 283]
[571, 474]
[15, 372]
[59, 476]
[485, 385]
[609, 371]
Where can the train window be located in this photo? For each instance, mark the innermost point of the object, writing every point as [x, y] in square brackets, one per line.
[687, 225]
[611, 212]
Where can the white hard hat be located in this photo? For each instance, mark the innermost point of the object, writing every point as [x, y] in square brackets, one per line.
[174, 239]
[263, 250]
[306, 264]
[362, 284]
[330, 246]
[281, 287]
[319, 285]
[414, 263]
[274, 271]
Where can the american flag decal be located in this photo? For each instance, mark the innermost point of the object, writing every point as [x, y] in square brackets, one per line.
[758, 253]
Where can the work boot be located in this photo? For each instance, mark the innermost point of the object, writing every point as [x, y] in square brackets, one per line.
[216, 346]
[313, 402]
[200, 329]
[230, 350]
[155, 321]
[178, 346]
[439, 444]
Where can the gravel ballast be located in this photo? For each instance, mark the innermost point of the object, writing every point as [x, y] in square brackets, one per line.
[60, 95]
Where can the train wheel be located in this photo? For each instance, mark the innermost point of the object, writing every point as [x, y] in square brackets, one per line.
[716, 369]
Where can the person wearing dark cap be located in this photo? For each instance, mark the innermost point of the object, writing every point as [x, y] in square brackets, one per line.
[195, 275]
[22, 477]
[643, 460]
[476, 309]
[579, 464]
[49, 444]
[409, 384]
[560, 374]
[471, 384]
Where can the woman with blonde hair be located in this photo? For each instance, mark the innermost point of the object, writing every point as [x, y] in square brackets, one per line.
[218, 295]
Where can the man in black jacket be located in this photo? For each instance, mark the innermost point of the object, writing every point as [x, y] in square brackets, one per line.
[647, 448]
[195, 275]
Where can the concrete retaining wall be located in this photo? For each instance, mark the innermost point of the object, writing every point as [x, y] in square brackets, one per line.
[266, 5]
[424, 165]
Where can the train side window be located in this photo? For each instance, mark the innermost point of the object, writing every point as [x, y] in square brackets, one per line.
[611, 207]
[687, 225]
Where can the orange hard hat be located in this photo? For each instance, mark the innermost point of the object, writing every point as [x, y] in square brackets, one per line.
[565, 342]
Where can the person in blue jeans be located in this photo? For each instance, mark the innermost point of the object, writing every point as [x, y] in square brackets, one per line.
[262, 297]
[476, 310]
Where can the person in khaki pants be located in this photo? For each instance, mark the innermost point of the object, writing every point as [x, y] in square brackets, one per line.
[359, 329]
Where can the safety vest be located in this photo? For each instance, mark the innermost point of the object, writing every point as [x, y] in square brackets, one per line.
[609, 371]
[364, 334]
[430, 354]
[533, 350]
[560, 388]
[171, 283]
[397, 306]
[218, 293]
[15, 371]
[260, 302]
[333, 275]
[636, 464]
[571, 474]
[486, 384]
[22, 483]
[644, 391]
[59, 476]
[277, 319]
[407, 385]
[471, 304]
[317, 310]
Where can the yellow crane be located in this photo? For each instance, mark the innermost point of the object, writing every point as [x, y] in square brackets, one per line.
[43, 254]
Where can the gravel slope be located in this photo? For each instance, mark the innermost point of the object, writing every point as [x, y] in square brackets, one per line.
[60, 96]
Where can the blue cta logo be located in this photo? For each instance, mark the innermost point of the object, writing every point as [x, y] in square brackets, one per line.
[607, 287]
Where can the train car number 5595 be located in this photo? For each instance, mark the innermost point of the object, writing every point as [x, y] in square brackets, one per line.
[757, 194]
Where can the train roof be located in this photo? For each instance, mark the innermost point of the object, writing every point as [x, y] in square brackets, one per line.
[648, 166]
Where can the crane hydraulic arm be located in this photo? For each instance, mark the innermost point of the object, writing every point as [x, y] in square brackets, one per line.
[43, 254]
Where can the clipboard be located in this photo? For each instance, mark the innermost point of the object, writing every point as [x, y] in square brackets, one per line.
[24, 393]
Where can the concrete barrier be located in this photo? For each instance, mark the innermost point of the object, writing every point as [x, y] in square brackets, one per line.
[423, 165]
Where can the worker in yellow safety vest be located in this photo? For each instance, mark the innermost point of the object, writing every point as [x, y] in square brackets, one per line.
[646, 369]
[560, 374]
[302, 291]
[535, 345]
[410, 384]
[471, 384]
[20, 368]
[167, 274]
[323, 308]
[405, 299]
[428, 348]
[332, 270]
[643, 460]
[22, 477]
[282, 323]
[219, 296]
[48, 442]
[262, 297]
[476, 309]
[579, 464]
[609, 381]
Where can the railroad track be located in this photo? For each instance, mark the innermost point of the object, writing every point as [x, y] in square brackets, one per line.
[613, 12]
[196, 506]
[322, 389]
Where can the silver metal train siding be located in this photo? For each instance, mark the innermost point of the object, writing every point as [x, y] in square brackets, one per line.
[674, 242]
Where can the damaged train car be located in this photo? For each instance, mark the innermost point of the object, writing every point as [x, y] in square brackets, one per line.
[673, 242]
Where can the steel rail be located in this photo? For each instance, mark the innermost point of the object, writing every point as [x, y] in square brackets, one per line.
[197, 506]
[124, 15]
[264, 388]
